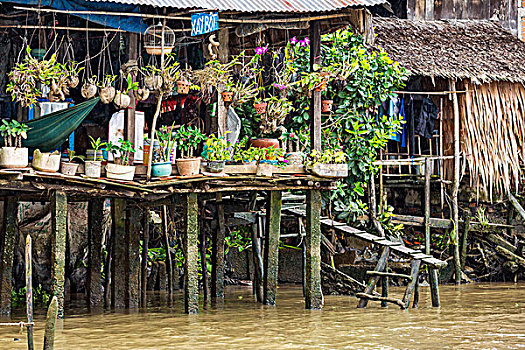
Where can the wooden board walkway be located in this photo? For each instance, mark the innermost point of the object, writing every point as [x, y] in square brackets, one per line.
[394, 246]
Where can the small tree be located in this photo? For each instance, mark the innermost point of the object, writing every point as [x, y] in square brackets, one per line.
[13, 132]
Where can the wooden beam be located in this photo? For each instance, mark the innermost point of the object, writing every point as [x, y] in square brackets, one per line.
[169, 262]
[315, 101]
[415, 264]
[96, 221]
[313, 292]
[380, 267]
[130, 111]
[455, 187]
[217, 269]
[271, 251]
[118, 261]
[191, 255]
[7, 254]
[58, 246]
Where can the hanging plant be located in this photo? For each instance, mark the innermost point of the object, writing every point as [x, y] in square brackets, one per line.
[107, 90]
[89, 89]
[141, 94]
[73, 70]
[122, 99]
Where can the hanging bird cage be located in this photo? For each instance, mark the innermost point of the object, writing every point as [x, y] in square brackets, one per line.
[156, 36]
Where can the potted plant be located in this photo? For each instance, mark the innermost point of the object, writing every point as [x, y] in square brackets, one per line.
[122, 168]
[70, 168]
[13, 155]
[47, 162]
[188, 139]
[330, 163]
[162, 158]
[260, 107]
[152, 77]
[217, 151]
[89, 89]
[73, 70]
[93, 167]
[107, 90]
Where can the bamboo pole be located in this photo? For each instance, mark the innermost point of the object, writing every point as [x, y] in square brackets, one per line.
[29, 293]
[455, 188]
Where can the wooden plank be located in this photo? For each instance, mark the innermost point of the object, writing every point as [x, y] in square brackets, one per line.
[96, 220]
[396, 301]
[130, 111]
[389, 274]
[313, 292]
[191, 285]
[403, 250]
[7, 254]
[58, 247]
[271, 251]
[387, 243]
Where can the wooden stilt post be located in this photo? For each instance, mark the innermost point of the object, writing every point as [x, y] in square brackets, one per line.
[51, 320]
[384, 290]
[415, 264]
[169, 262]
[29, 292]
[133, 233]
[314, 294]
[415, 304]
[464, 241]
[130, 111]
[95, 232]
[224, 55]
[432, 273]
[271, 246]
[144, 267]
[204, 262]
[217, 269]
[315, 102]
[191, 256]
[455, 187]
[258, 264]
[58, 247]
[118, 264]
[8, 252]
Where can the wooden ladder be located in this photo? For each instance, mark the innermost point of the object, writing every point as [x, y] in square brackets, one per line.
[380, 272]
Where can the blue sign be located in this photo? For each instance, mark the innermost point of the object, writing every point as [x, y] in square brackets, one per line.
[202, 23]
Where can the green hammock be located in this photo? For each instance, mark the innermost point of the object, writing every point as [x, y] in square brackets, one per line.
[52, 130]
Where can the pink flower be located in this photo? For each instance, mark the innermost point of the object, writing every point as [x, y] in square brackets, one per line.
[279, 86]
[261, 50]
[292, 134]
[305, 42]
[285, 161]
[293, 40]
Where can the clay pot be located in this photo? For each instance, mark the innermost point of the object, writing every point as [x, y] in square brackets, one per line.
[107, 94]
[264, 143]
[122, 100]
[183, 87]
[48, 162]
[141, 94]
[260, 108]
[326, 106]
[227, 96]
[215, 166]
[89, 90]
[189, 166]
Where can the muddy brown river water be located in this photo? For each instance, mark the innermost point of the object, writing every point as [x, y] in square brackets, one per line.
[478, 316]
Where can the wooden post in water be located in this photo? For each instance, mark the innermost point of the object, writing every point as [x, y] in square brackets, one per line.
[169, 263]
[144, 267]
[29, 293]
[118, 263]
[381, 265]
[133, 232]
[432, 273]
[314, 294]
[257, 264]
[95, 233]
[415, 264]
[51, 320]
[204, 261]
[217, 269]
[191, 255]
[384, 290]
[455, 187]
[271, 247]
[464, 241]
[58, 247]
[8, 252]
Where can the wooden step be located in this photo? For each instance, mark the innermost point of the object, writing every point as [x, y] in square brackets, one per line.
[398, 302]
[389, 274]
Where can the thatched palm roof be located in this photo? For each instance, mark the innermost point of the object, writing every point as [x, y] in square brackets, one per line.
[478, 50]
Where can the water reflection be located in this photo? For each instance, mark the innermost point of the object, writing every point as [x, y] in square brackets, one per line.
[489, 316]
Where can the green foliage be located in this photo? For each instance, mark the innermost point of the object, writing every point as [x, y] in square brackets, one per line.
[218, 148]
[121, 152]
[40, 296]
[239, 238]
[167, 142]
[72, 156]
[188, 139]
[13, 131]
[96, 145]
[329, 156]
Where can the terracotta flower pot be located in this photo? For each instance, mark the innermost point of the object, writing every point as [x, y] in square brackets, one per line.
[183, 87]
[264, 143]
[227, 96]
[326, 106]
[322, 86]
[189, 166]
[260, 108]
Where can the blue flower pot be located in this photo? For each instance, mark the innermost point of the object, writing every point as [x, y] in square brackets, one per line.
[161, 169]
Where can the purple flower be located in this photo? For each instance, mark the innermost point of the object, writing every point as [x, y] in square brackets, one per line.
[286, 160]
[260, 49]
[305, 42]
[293, 40]
[279, 86]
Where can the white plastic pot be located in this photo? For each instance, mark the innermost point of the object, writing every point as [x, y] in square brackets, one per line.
[14, 157]
[68, 168]
[330, 170]
[93, 168]
[48, 162]
[120, 172]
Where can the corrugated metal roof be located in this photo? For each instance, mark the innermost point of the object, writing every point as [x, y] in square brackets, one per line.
[254, 5]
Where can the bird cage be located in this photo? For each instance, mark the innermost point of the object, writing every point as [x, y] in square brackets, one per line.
[156, 36]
